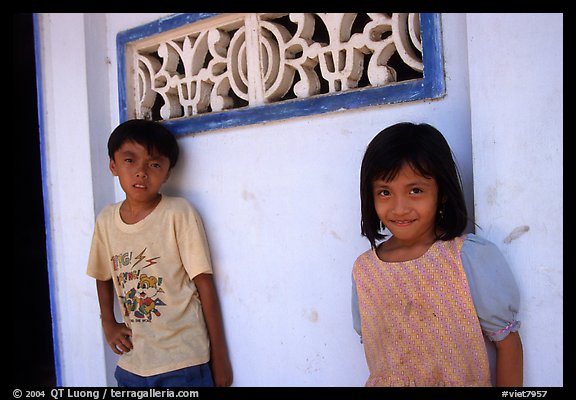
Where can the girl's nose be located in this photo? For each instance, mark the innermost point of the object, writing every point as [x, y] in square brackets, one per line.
[400, 206]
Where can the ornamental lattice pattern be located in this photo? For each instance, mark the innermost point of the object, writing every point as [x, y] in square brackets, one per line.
[246, 60]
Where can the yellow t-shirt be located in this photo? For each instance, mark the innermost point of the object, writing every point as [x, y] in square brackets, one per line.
[152, 263]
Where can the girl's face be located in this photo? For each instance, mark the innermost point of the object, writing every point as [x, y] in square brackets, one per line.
[140, 173]
[407, 205]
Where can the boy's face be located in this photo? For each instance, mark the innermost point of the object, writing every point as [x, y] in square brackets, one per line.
[141, 174]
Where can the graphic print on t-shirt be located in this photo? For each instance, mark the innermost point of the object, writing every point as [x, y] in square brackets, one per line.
[141, 290]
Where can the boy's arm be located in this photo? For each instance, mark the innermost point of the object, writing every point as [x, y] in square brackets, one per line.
[509, 361]
[221, 367]
[117, 334]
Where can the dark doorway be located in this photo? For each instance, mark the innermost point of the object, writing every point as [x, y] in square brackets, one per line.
[32, 348]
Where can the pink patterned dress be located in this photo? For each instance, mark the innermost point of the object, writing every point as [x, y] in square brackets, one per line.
[419, 324]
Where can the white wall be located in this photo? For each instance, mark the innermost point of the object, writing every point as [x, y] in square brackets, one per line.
[70, 198]
[517, 119]
[280, 204]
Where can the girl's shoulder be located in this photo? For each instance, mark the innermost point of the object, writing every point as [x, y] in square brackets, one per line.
[366, 256]
[475, 239]
[486, 267]
[478, 249]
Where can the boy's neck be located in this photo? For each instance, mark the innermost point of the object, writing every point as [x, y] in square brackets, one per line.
[132, 211]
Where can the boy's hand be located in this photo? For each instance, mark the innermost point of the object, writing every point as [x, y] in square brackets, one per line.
[118, 336]
[219, 360]
[221, 370]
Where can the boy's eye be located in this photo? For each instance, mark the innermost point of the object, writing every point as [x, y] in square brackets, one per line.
[416, 191]
[127, 160]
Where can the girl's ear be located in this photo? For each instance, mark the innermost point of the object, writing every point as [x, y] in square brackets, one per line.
[112, 166]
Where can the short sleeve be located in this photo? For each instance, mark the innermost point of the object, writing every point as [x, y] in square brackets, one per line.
[492, 285]
[192, 243]
[356, 310]
[98, 258]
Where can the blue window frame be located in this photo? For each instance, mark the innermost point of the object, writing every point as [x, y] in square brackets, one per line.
[431, 86]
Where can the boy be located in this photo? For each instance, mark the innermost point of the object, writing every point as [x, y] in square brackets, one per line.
[151, 250]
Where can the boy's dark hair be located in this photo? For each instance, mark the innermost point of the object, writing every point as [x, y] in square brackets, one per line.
[426, 150]
[150, 134]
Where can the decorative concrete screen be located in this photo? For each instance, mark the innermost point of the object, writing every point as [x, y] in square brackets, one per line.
[199, 72]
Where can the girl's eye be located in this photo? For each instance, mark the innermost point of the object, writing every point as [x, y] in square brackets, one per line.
[416, 191]
[384, 192]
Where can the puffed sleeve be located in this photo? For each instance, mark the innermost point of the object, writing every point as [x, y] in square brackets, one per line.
[494, 291]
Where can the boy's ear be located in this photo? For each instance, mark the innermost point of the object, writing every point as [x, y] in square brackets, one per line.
[168, 175]
[112, 166]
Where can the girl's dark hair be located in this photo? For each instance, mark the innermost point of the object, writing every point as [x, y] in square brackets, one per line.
[150, 134]
[425, 149]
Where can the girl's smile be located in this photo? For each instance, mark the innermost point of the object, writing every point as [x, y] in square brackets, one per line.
[401, 222]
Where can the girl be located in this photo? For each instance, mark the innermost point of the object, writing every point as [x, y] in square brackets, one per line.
[425, 293]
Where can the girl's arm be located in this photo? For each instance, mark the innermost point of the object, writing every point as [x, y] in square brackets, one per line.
[509, 361]
[117, 334]
[221, 367]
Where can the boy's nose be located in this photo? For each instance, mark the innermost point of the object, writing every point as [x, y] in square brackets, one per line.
[141, 172]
